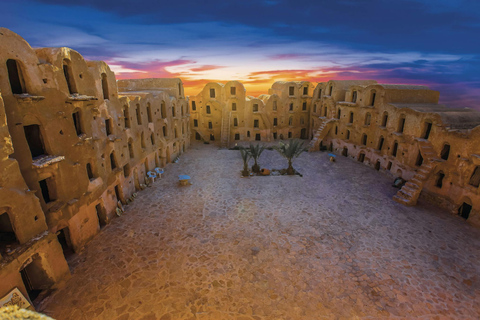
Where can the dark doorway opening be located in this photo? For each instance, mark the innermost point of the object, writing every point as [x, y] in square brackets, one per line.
[102, 219]
[428, 128]
[35, 278]
[439, 182]
[105, 86]
[258, 137]
[445, 152]
[389, 166]
[464, 210]
[303, 133]
[64, 239]
[15, 76]
[67, 71]
[48, 190]
[345, 152]
[198, 136]
[377, 166]
[361, 157]
[117, 192]
[419, 161]
[7, 232]
[212, 137]
[34, 140]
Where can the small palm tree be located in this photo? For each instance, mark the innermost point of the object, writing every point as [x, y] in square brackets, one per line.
[255, 152]
[290, 150]
[245, 157]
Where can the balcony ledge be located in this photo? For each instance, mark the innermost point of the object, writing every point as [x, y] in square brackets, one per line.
[25, 97]
[80, 97]
[46, 160]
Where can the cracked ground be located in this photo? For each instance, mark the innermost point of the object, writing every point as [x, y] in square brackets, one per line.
[329, 245]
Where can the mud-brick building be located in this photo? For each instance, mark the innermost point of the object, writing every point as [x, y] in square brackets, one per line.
[402, 130]
[223, 114]
[31, 258]
[75, 151]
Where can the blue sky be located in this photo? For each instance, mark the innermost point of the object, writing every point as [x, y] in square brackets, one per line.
[435, 43]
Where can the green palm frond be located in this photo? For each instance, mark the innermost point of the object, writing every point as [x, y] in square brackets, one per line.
[290, 150]
[256, 150]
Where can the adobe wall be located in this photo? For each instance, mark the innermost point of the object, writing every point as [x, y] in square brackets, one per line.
[414, 107]
[223, 114]
[73, 147]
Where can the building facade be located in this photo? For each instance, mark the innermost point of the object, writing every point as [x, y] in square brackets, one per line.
[74, 151]
[402, 130]
[223, 114]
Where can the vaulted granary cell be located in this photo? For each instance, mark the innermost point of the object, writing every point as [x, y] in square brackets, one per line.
[445, 151]
[303, 133]
[101, 215]
[77, 123]
[34, 138]
[63, 236]
[419, 160]
[48, 189]
[464, 210]
[69, 78]
[427, 128]
[475, 177]
[15, 76]
[7, 232]
[106, 94]
[439, 179]
[35, 277]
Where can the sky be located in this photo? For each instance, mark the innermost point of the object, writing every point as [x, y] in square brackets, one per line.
[426, 42]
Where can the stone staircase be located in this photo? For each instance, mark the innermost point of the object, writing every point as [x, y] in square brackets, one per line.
[225, 132]
[409, 193]
[320, 134]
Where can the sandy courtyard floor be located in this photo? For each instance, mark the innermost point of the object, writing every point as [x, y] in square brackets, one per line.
[329, 245]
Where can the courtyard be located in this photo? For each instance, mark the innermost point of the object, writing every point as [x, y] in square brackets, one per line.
[329, 245]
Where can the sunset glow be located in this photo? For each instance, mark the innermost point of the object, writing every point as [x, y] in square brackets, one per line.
[259, 42]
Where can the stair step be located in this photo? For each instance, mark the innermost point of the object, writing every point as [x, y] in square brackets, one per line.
[412, 185]
[420, 176]
[405, 194]
[409, 190]
[417, 181]
[403, 201]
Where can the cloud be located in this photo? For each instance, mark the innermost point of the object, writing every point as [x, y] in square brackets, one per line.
[259, 42]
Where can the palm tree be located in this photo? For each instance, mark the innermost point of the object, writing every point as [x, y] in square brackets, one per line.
[255, 152]
[245, 157]
[291, 150]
